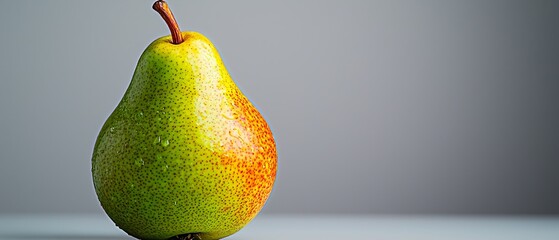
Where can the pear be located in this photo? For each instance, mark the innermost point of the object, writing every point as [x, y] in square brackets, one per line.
[184, 154]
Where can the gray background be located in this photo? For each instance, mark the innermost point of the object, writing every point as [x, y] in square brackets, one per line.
[376, 106]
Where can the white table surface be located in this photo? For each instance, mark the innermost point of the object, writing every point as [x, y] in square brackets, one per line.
[305, 227]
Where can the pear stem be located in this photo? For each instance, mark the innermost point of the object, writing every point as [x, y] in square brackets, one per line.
[163, 9]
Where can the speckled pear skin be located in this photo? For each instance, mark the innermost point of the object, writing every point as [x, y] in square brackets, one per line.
[184, 151]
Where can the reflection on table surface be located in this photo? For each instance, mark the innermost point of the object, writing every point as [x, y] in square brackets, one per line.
[276, 227]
